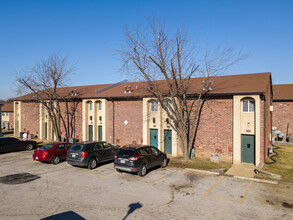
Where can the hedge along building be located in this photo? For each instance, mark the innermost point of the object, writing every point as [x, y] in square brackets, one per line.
[283, 108]
[234, 121]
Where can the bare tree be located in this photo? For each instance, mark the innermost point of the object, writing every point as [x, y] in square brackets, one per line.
[44, 81]
[151, 53]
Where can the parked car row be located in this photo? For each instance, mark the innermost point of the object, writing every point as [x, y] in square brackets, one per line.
[8, 144]
[131, 158]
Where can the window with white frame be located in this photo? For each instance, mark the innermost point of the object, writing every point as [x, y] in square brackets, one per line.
[154, 106]
[90, 105]
[248, 106]
[100, 105]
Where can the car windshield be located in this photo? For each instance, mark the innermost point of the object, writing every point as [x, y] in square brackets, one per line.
[125, 152]
[76, 147]
[47, 146]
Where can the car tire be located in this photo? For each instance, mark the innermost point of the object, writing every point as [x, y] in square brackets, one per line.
[55, 160]
[164, 163]
[29, 147]
[143, 170]
[92, 164]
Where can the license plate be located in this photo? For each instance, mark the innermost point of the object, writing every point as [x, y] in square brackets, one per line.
[37, 158]
[122, 161]
[73, 155]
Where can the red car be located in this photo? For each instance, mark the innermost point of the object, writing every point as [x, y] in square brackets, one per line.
[53, 152]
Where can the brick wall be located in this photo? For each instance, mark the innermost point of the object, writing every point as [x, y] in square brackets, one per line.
[78, 119]
[130, 111]
[31, 118]
[215, 130]
[282, 115]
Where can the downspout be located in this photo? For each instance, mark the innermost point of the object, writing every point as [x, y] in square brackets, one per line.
[113, 127]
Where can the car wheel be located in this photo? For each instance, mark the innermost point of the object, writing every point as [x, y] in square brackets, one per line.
[92, 164]
[55, 160]
[143, 170]
[29, 147]
[164, 163]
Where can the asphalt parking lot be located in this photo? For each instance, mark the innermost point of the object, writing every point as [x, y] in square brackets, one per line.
[65, 192]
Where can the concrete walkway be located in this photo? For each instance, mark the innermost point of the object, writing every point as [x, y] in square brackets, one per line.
[244, 170]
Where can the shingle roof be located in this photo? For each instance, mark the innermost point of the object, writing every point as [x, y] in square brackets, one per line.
[231, 84]
[83, 91]
[234, 84]
[7, 107]
[283, 92]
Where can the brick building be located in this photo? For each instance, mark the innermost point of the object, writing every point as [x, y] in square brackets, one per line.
[7, 116]
[283, 108]
[235, 120]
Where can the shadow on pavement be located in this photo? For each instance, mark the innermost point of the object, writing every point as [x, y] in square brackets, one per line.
[65, 215]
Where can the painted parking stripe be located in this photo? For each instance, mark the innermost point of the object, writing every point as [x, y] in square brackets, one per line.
[227, 199]
[210, 189]
[103, 176]
[161, 178]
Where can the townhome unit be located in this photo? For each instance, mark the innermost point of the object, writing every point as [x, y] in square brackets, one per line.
[235, 120]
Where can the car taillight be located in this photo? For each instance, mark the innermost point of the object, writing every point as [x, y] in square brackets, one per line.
[84, 154]
[45, 153]
[134, 158]
[116, 156]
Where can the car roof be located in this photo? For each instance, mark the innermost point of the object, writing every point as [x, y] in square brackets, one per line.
[135, 146]
[4, 137]
[90, 142]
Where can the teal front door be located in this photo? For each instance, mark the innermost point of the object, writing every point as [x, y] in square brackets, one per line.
[168, 141]
[90, 133]
[100, 133]
[247, 148]
[154, 137]
[46, 130]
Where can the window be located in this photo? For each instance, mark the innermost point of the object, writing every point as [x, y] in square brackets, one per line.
[90, 105]
[3, 113]
[248, 106]
[100, 105]
[61, 147]
[154, 106]
[7, 113]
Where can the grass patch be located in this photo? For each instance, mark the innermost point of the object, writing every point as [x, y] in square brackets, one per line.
[197, 163]
[284, 165]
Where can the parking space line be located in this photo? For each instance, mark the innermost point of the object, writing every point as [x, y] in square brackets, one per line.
[247, 190]
[210, 189]
[102, 176]
[105, 177]
[227, 199]
[161, 178]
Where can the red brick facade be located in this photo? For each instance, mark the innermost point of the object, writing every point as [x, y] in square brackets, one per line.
[31, 118]
[215, 131]
[125, 111]
[282, 115]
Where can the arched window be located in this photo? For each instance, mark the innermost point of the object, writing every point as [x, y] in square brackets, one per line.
[90, 105]
[154, 106]
[99, 105]
[248, 105]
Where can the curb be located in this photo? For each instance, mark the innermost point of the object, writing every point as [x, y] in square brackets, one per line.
[203, 171]
[237, 177]
[257, 180]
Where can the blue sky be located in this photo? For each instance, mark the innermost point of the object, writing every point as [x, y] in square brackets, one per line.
[88, 32]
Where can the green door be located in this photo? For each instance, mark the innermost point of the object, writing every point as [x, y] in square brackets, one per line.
[46, 130]
[247, 149]
[90, 133]
[100, 133]
[168, 141]
[154, 137]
